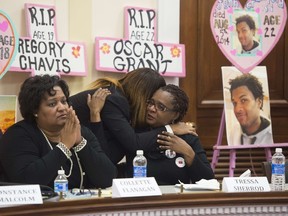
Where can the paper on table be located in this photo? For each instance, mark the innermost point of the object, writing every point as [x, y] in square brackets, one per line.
[247, 173]
[203, 184]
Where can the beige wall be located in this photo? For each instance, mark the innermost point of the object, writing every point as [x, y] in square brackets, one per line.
[84, 20]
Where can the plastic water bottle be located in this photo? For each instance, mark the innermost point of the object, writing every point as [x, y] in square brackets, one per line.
[139, 165]
[278, 171]
[61, 184]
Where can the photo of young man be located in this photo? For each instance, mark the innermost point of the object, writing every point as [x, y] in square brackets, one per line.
[246, 40]
[247, 98]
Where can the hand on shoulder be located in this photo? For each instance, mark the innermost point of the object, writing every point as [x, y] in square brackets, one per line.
[182, 128]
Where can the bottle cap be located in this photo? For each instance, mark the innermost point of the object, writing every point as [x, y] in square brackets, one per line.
[61, 172]
[278, 150]
[139, 152]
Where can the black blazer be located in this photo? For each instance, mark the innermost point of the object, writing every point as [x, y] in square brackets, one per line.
[119, 137]
[167, 172]
[26, 157]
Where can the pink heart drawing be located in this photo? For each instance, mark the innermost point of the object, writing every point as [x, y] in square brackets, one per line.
[4, 26]
[247, 35]
[9, 43]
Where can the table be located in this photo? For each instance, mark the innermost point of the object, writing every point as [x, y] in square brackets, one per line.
[172, 202]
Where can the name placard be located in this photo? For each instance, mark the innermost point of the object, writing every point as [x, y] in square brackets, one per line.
[20, 195]
[135, 187]
[245, 184]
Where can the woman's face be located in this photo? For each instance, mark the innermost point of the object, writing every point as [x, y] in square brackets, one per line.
[160, 110]
[52, 111]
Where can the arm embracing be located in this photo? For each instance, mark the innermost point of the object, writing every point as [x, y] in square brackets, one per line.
[200, 168]
[115, 117]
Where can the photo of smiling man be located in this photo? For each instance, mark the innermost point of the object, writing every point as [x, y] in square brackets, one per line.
[245, 98]
[246, 39]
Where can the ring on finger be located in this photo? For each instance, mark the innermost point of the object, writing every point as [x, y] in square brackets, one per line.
[192, 124]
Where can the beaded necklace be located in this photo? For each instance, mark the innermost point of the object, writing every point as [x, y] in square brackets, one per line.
[69, 158]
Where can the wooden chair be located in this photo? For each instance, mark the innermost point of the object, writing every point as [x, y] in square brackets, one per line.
[266, 167]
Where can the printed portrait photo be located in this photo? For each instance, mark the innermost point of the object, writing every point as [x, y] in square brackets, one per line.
[8, 105]
[247, 106]
[245, 37]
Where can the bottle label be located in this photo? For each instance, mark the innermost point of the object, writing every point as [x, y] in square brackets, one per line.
[278, 169]
[60, 186]
[139, 171]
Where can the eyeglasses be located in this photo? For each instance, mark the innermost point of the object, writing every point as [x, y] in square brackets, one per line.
[159, 106]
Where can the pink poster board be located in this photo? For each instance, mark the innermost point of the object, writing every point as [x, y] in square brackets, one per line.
[41, 52]
[8, 43]
[140, 47]
[228, 21]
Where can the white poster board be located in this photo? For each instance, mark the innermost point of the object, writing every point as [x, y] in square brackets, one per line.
[140, 47]
[41, 52]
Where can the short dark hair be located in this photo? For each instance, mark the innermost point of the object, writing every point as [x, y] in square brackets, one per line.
[180, 100]
[248, 19]
[252, 83]
[32, 91]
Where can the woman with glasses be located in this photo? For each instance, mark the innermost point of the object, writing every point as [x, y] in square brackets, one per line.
[177, 157]
[124, 110]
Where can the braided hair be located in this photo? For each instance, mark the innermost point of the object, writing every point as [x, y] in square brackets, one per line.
[180, 100]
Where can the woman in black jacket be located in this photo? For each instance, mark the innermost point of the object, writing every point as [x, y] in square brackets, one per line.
[51, 138]
[178, 157]
[124, 110]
